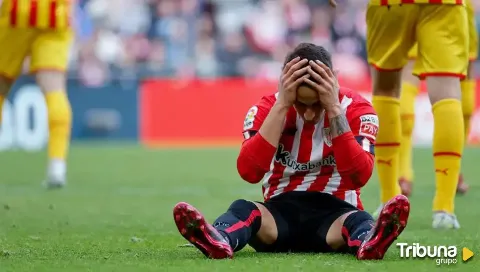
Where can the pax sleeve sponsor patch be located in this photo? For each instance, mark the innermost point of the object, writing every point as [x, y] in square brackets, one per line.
[369, 126]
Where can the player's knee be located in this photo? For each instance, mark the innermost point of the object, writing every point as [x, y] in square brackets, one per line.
[263, 226]
[386, 83]
[334, 237]
[51, 81]
[440, 88]
[345, 226]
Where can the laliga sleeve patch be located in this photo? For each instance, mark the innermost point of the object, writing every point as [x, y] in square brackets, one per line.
[250, 118]
[369, 126]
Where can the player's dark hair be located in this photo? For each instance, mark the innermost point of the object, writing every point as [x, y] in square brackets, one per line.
[310, 51]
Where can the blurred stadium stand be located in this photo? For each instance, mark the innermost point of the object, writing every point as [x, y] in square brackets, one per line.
[126, 52]
[218, 38]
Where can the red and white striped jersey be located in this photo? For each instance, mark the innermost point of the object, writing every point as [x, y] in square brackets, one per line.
[304, 160]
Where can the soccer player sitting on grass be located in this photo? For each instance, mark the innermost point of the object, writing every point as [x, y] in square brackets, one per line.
[312, 143]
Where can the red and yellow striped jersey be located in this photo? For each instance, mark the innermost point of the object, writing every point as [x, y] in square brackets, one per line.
[53, 14]
[431, 2]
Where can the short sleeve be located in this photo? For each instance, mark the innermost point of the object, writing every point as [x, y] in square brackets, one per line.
[256, 115]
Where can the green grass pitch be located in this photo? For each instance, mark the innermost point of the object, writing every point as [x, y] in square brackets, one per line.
[116, 214]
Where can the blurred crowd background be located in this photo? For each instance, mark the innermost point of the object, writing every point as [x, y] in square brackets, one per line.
[131, 39]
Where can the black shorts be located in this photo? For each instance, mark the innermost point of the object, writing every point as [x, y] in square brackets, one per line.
[303, 220]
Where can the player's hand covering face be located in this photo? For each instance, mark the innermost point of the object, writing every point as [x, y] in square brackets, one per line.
[325, 83]
[294, 73]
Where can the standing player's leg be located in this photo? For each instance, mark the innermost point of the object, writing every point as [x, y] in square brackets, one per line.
[388, 41]
[5, 86]
[410, 88]
[468, 85]
[14, 46]
[49, 61]
[442, 60]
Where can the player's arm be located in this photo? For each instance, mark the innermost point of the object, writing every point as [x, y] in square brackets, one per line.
[262, 131]
[353, 142]
[351, 158]
[268, 120]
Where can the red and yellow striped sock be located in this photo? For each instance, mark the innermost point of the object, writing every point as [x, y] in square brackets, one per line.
[60, 121]
[387, 146]
[448, 143]
[468, 102]
[407, 112]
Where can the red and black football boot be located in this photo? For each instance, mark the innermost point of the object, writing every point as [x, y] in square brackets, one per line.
[193, 227]
[391, 221]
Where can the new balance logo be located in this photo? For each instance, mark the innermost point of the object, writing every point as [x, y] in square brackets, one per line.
[284, 157]
[442, 171]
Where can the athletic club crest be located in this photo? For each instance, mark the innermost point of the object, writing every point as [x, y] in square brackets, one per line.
[327, 136]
